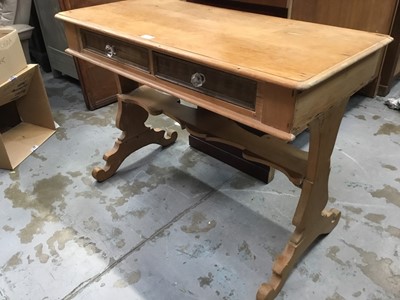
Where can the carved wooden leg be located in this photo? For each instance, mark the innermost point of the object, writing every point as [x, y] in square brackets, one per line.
[310, 218]
[135, 135]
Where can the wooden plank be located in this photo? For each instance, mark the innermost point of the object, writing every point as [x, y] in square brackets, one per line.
[368, 15]
[233, 157]
[278, 8]
[73, 4]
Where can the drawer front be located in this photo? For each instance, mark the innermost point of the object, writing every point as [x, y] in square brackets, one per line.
[228, 87]
[116, 49]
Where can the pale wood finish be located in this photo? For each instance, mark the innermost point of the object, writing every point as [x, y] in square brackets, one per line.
[300, 55]
[304, 74]
[368, 15]
[349, 82]
[286, 64]
[135, 135]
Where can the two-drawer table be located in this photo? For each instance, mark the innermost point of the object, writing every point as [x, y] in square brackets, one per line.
[278, 78]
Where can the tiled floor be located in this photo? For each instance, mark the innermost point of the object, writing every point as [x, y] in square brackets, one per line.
[176, 224]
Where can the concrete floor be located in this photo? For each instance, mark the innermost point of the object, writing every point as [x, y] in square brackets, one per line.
[177, 224]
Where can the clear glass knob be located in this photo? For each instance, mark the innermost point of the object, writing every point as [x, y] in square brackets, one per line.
[110, 51]
[198, 79]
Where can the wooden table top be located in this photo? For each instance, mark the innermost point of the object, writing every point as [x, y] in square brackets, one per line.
[290, 53]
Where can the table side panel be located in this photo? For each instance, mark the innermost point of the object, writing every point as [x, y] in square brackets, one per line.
[277, 105]
[73, 36]
[320, 98]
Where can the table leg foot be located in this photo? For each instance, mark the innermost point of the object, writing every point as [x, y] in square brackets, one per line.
[135, 135]
[294, 249]
[123, 148]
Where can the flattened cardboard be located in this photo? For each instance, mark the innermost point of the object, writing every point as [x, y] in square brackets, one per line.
[36, 125]
[18, 86]
[12, 58]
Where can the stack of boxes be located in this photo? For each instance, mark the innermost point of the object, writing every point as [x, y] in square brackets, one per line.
[25, 114]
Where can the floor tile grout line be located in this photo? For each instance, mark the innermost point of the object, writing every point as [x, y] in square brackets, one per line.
[76, 291]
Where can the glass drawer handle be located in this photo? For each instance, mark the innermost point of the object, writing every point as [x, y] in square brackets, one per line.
[198, 79]
[110, 51]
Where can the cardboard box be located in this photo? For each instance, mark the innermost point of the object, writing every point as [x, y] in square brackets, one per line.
[12, 58]
[25, 115]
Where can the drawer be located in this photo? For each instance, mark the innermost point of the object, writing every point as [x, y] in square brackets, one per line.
[222, 85]
[115, 49]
